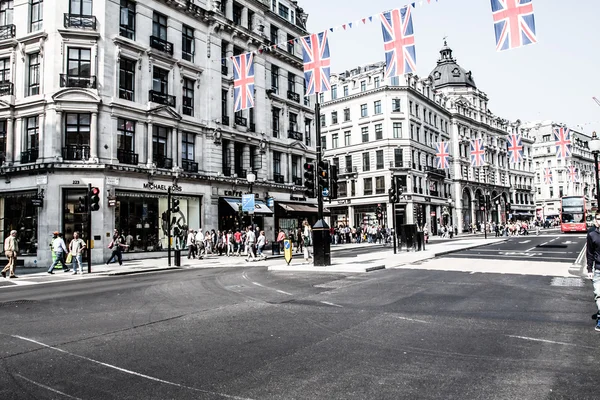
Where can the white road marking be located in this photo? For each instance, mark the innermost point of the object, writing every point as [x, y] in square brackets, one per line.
[257, 284]
[413, 320]
[47, 387]
[567, 242]
[332, 304]
[127, 371]
[544, 340]
[533, 248]
[281, 291]
[525, 241]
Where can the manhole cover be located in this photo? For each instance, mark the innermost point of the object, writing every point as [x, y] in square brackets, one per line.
[16, 303]
[560, 281]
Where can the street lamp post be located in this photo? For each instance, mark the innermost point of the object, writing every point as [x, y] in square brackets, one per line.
[251, 177]
[595, 148]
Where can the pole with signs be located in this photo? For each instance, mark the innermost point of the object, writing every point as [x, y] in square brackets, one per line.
[287, 251]
[169, 226]
[89, 227]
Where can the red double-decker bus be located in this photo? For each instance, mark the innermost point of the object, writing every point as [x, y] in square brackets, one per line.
[573, 213]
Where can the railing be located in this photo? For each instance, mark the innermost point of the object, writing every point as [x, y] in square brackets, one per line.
[349, 170]
[436, 171]
[278, 178]
[7, 32]
[297, 180]
[161, 44]
[434, 193]
[224, 69]
[241, 173]
[127, 157]
[162, 98]
[75, 152]
[397, 164]
[79, 21]
[294, 135]
[163, 162]
[252, 127]
[293, 96]
[189, 166]
[86, 82]
[239, 120]
[29, 156]
[227, 171]
[225, 120]
[6, 88]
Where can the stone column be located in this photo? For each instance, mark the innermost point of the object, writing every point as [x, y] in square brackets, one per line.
[246, 159]
[231, 148]
[94, 137]
[57, 140]
[179, 147]
[229, 9]
[174, 146]
[199, 151]
[10, 141]
[20, 140]
[149, 155]
[41, 137]
[245, 17]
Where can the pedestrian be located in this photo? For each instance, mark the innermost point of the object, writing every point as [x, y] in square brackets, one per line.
[593, 263]
[60, 249]
[11, 250]
[117, 245]
[280, 239]
[261, 242]
[237, 237]
[191, 244]
[76, 250]
[250, 240]
[307, 239]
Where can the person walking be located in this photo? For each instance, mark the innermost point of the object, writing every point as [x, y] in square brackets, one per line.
[60, 249]
[191, 244]
[11, 250]
[260, 245]
[593, 263]
[76, 250]
[250, 240]
[117, 245]
[306, 239]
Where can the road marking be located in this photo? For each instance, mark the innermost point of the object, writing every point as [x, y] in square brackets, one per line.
[525, 241]
[281, 291]
[332, 304]
[547, 341]
[533, 248]
[47, 387]
[413, 320]
[257, 284]
[568, 242]
[127, 371]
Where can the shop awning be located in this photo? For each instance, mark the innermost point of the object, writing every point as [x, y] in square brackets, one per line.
[523, 214]
[259, 206]
[302, 208]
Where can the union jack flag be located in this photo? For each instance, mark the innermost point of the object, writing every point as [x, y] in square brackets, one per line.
[315, 51]
[515, 148]
[477, 153]
[572, 174]
[548, 176]
[442, 155]
[399, 42]
[514, 23]
[243, 81]
[562, 137]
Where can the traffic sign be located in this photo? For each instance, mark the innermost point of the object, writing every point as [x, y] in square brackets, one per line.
[270, 202]
[248, 202]
[287, 251]
[325, 192]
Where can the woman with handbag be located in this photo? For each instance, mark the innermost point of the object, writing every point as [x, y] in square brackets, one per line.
[117, 245]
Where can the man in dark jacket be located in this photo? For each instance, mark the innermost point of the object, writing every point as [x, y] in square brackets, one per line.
[593, 262]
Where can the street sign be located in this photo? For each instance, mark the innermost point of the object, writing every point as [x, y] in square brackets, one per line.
[432, 214]
[37, 202]
[270, 202]
[325, 192]
[287, 251]
[248, 203]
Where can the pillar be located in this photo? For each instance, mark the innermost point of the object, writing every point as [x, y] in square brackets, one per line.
[246, 159]
[231, 163]
[149, 150]
[10, 141]
[57, 139]
[94, 137]
[245, 17]
[174, 143]
[41, 137]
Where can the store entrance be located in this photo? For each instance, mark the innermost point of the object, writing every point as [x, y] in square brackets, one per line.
[75, 215]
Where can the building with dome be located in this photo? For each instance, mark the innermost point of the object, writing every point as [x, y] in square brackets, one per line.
[378, 130]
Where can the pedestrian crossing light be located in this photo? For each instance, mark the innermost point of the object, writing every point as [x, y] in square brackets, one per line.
[379, 212]
[309, 180]
[508, 208]
[323, 175]
[94, 199]
[82, 208]
[393, 194]
[481, 201]
[175, 205]
[333, 179]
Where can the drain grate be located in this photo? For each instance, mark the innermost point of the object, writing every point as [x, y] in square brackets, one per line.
[561, 281]
[16, 303]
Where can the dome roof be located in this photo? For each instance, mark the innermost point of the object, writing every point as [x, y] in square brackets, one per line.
[448, 72]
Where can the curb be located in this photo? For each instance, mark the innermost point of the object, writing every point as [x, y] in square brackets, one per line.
[375, 268]
[117, 273]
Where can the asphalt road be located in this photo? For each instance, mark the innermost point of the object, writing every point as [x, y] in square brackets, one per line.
[245, 333]
[557, 248]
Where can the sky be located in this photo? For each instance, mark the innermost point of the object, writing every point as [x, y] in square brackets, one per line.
[554, 79]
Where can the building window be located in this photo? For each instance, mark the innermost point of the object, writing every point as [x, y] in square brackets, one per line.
[376, 82]
[293, 122]
[363, 86]
[364, 133]
[79, 63]
[333, 92]
[36, 13]
[368, 186]
[380, 185]
[346, 114]
[125, 137]
[290, 44]
[398, 158]
[347, 138]
[378, 132]
[291, 82]
[379, 159]
[545, 138]
[127, 79]
[187, 146]
[276, 163]
[274, 35]
[160, 80]
[33, 133]
[307, 132]
[187, 43]
[5, 70]
[397, 130]
[160, 139]
[127, 19]
[188, 96]
[80, 7]
[366, 162]
[321, 97]
[346, 91]
[33, 84]
[334, 117]
[275, 78]
[334, 141]
[348, 161]
[159, 26]
[395, 81]
[77, 132]
[237, 14]
[224, 113]
[275, 115]
[551, 192]
[323, 142]
[322, 120]
[395, 105]
[363, 111]
[284, 11]
[377, 107]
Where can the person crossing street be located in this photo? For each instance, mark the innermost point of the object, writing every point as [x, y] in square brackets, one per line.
[11, 250]
[60, 249]
[593, 263]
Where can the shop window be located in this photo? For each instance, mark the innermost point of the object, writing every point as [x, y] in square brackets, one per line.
[74, 215]
[17, 212]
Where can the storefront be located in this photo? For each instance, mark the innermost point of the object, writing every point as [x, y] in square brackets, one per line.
[232, 217]
[366, 215]
[289, 216]
[339, 216]
[18, 212]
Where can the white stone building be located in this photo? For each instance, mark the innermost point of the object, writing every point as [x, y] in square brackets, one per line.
[547, 196]
[133, 98]
[377, 130]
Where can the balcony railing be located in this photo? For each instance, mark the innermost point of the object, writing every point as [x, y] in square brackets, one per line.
[29, 156]
[79, 21]
[297, 181]
[436, 171]
[239, 120]
[397, 164]
[349, 170]
[293, 96]
[189, 166]
[224, 69]
[225, 120]
[6, 88]
[434, 193]
[127, 157]
[252, 127]
[86, 82]
[227, 171]
[163, 162]
[162, 98]
[161, 44]
[7, 32]
[75, 152]
[294, 135]
[278, 178]
[241, 173]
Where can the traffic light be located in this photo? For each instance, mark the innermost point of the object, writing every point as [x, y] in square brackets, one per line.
[309, 180]
[488, 202]
[392, 193]
[175, 205]
[94, 199]
[323, 175]
[508, 209]
[481, 200]
[379, 212]
[333, 179]
[82, 207]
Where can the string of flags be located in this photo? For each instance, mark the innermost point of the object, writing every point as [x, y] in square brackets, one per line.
[514, 27]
